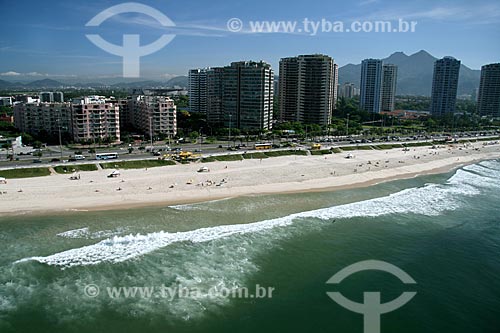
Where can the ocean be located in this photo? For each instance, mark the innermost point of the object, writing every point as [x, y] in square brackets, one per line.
[261, 263]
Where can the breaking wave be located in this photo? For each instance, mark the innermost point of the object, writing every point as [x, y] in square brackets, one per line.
[429, 200]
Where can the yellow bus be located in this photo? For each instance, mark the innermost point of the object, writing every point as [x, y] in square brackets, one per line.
[263, 146]
[316, 146]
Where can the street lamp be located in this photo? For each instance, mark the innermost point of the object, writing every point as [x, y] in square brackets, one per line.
[60, 139]
[347, 129]
[151, 132]
[201, 137]
[230, 122]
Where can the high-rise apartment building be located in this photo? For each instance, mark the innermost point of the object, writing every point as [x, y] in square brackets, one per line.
[308, 89]
[214, 96]
[389, 80]
[198, 90]
[444, 86]
[247, 95]
[489, 91]
[371, 85]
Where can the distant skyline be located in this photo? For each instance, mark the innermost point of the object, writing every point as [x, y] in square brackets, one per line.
[43, 39]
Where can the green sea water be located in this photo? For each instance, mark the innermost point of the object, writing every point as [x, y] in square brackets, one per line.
[443, 230]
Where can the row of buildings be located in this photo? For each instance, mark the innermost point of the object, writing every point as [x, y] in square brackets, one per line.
[241, 95]
[44, 97]
[96, 118]
[445, 84]
[378, 87]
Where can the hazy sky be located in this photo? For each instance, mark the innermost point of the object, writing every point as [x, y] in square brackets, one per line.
[47, 38]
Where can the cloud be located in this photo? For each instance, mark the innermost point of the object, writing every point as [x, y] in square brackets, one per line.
[367, 2]
[10, 74]
[206, 29]
[34, 74]
[470, 14]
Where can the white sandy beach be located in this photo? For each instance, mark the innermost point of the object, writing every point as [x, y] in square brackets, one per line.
[145, 187]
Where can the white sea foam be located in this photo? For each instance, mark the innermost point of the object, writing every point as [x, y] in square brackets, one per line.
[87, 234]
[490, 170]
[429, 200]
[206, 205]
[76, 233]
[477, 176]
[495, 165]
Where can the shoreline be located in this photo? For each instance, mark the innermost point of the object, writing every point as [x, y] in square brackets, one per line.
[143, 188]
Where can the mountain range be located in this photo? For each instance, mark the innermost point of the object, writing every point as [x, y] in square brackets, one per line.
[414, 77]
[414, 74]
[179, 81]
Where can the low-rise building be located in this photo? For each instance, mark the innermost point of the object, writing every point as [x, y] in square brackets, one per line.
[43, 118]
[95, 118]
[151, 115]
[6, 118]
[6, 101]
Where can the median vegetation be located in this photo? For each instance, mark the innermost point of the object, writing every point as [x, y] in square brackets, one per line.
[257, 155]
[62, 169]
[351, 148]
[137, 164]
[388, 146]
[285, 153]
[222, 158]
[321, 152]
[24, 173]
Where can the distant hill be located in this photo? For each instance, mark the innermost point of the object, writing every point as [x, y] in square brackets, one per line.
[414, 74]
[90, 85]
[181, 81]
[140, 84]
[46, 83]
[6, 84]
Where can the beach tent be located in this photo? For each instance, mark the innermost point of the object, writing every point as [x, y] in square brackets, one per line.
[115, 173]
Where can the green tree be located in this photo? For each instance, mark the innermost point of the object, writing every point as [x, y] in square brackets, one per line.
[194, 135]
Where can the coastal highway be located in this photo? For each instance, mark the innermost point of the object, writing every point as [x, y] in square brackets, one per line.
[208, 150]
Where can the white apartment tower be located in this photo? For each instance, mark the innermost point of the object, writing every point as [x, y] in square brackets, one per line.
[371, 85]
